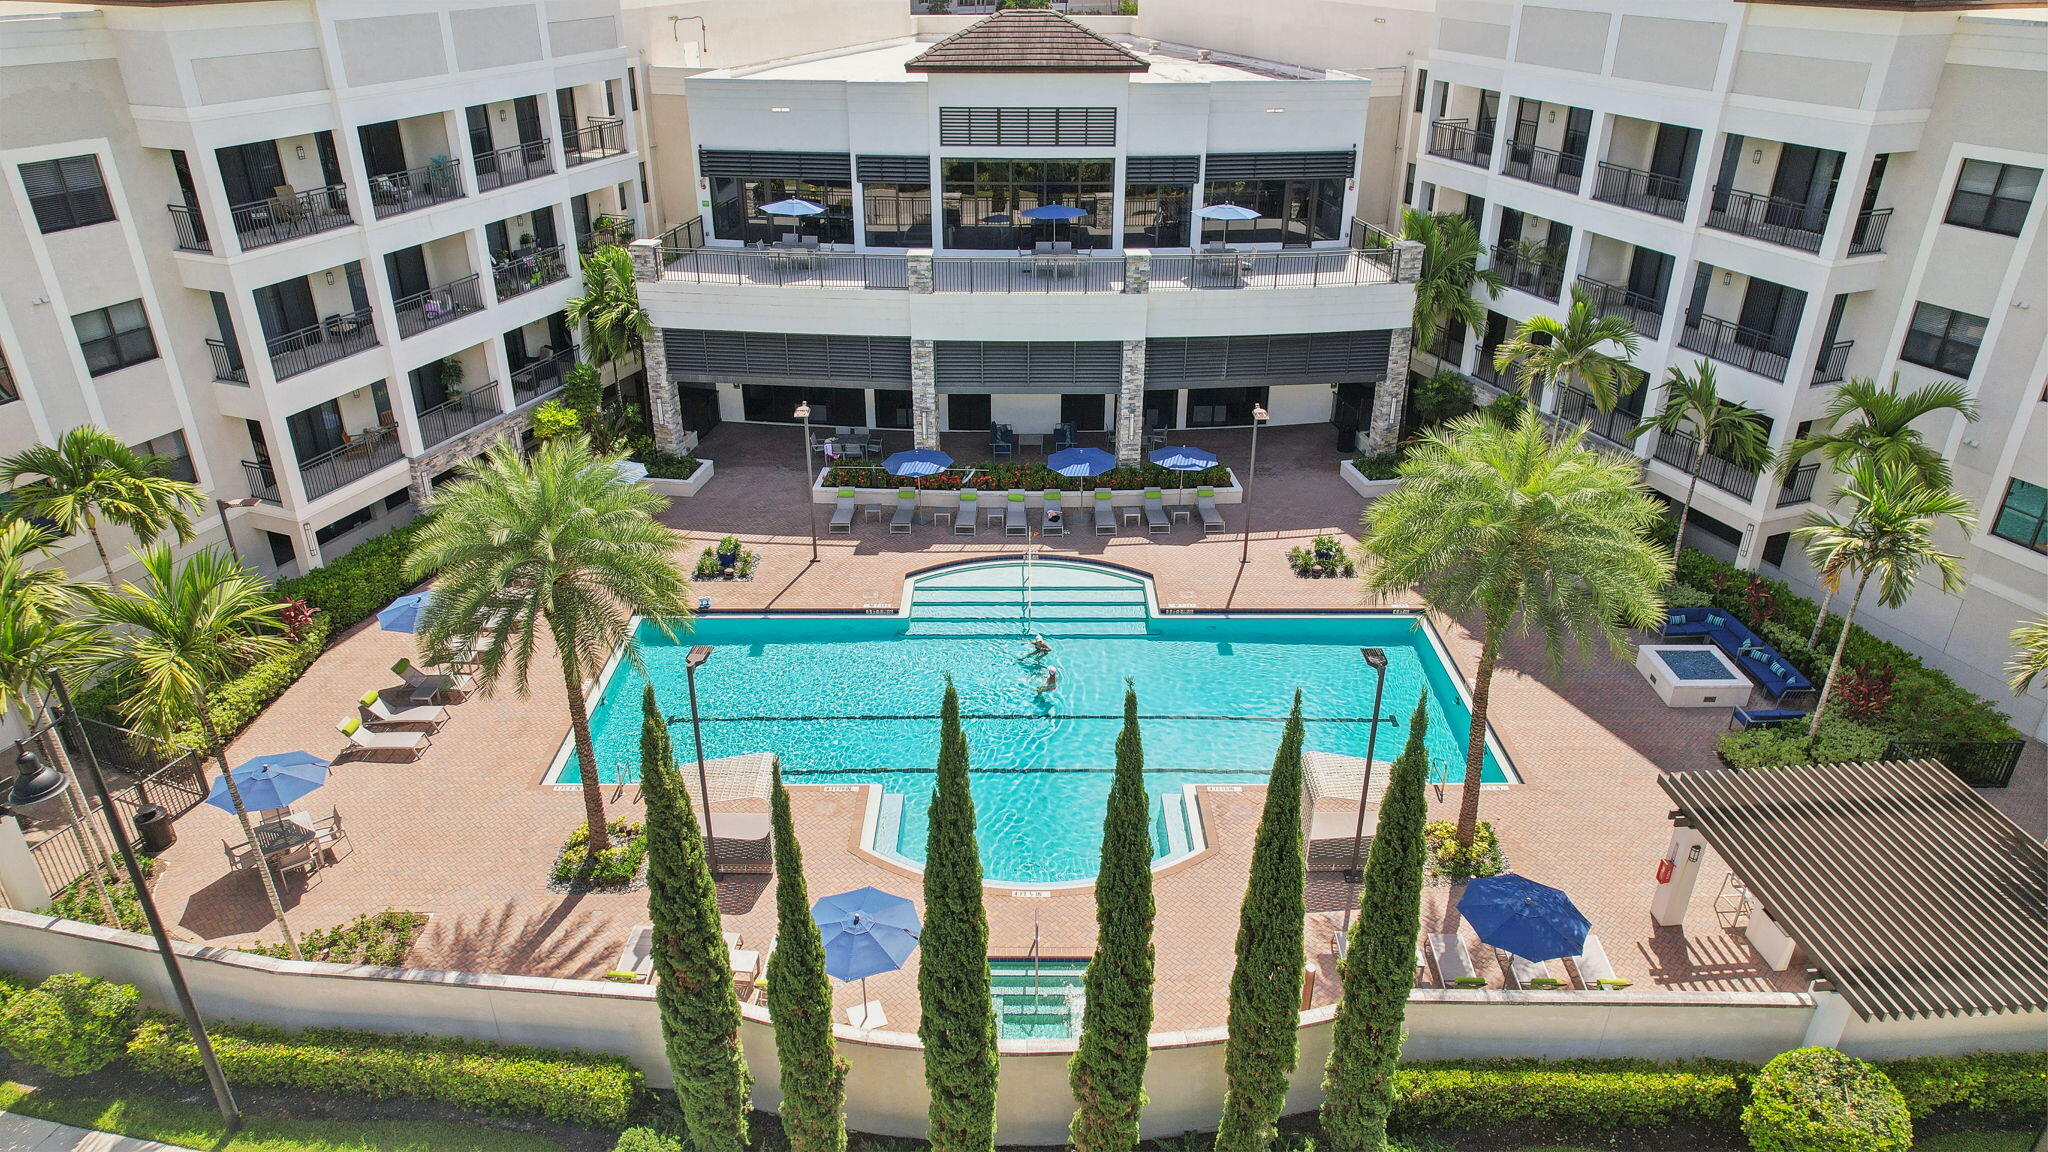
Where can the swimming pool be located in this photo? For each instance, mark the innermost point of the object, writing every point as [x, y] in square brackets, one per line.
[855, 699]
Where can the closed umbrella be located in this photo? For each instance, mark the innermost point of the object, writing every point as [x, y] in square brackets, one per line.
[1183, 459]
[867, 932]
[1517, 915]
[918, 462]
[270, 781]
[1226, 213]
[403, 614]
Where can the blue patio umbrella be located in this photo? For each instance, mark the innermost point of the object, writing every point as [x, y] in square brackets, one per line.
[791, 207]
[919, 462]
[1052, 212]
[1226, 213]
[632, 471]
[270, 781]
[1080, 462]
[403, 614]
[867, 932]
[1518, 915]
[996, 218]
[1183, 458]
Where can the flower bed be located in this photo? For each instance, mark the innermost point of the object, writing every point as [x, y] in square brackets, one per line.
[726, 560]
[1029, 476]
[1323, 556]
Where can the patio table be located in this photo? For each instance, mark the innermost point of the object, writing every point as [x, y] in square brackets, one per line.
[276, 837]
[1032, 440]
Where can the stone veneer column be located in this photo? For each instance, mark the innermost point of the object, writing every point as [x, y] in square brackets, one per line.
[917, 271]
[663, 411]
[1130, 404]
[1390, 399]
[1138, 272]
[924, 396]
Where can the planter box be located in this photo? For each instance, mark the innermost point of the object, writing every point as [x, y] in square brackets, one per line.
[946, 498]
[677, 488]
[1370, 489]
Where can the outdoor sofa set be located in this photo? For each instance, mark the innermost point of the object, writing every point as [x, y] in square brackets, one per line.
[1765, 666]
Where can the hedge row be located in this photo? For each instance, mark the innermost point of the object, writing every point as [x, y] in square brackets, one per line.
[571, 1087]
[351, 588]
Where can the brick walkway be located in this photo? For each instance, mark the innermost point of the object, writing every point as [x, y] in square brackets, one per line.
[467, 833]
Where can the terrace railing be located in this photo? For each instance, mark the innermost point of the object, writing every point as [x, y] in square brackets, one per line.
[790, 268]
[601, 138]
[349, 463]
[394, 193]
[1077, 272]
[1576, 406]
[1774, 219]
[1868, 237]
[512, 165]
[280, 218]
[1651, 192]
[1677, 449]
[438, 305]
[1832, 365]
[1797, 487]
[541, 378]
[518, 275]
[451, 418]
[227, 363]
[1645, 312]
[190, 226]
[1319, 269]
[1978, 763]
[1457, 140]
[1763, 353]
[262, 480]
[322, 343]
[1546, 166]
[1542, 278]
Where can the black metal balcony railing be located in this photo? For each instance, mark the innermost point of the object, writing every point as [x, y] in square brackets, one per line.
[1833, 363]
[1546, 166]
[1678, 448]
[1869, 234]
[394, 193]
[322, 343]
[1484, 368]
[227, 363]
[1070, 272]
[601, 138]
[1645, 312]
[453, 417]
[1544, 278]
[541, 378]
[1576, 406]
[1764, 353]
[190, 227]
[359, 457]
[1775, 219]
[437, 305]
[1798, 485]
[786, 268]
[1457, 140]
[688, 234]
[262, 480]
[282, 218]
[529, 270]
[1651, 192]
[512, 165]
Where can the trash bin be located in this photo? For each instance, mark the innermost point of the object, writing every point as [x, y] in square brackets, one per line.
[153, 826]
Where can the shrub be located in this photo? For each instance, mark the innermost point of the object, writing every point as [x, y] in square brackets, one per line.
[1378, 465]
[1448, 861]
[81, 900]
[570, 1087]
[1839, 742]
[554, 418]
[667, 465]
[1442, 397]
[1819, 1100]
[614, 867]
[356, 584]
[1999, 1086]
[646, 1140]
[1571, 1096]
[70, 1024]
[381, 938]
[237, 702]
[1687, 596]
[1323, 556]
[710, 567]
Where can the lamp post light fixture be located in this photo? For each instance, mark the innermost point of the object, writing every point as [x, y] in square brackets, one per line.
[803, 413]
[34, 783]
[698, 655]
[1259, 416]
[222, 507]
[1376, 658]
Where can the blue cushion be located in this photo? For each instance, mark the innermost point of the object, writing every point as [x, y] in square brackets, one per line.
[1713, 618]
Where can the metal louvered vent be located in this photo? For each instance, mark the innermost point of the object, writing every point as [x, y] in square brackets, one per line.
[1027, 127]
[917, 168]
[703, 356]
[1306, 358]
[1013, 366]
[1162, 169]
[1280, 165]
[823, 167]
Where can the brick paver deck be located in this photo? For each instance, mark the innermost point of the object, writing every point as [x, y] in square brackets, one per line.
[468, 832]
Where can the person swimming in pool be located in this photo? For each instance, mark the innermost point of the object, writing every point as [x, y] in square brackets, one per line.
[1052, 680]
[1039, 648]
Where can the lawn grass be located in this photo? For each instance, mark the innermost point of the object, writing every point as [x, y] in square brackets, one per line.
[191, 1126]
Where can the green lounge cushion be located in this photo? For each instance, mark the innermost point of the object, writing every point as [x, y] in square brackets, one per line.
[1205, 491]
[1017, 496]
[1104, 494]
[845, 492]
[1152, 494]
[969, 496]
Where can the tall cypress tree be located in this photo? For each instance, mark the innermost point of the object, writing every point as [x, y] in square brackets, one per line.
[1379, 960]
[700, 1015]
[800, 1002]
[1265, 990]
[958, 1024]
[1108, 1070]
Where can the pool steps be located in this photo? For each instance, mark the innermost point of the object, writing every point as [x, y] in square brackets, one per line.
[1106, 608]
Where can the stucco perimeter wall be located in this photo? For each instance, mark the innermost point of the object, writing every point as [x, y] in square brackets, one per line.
[885, 1088]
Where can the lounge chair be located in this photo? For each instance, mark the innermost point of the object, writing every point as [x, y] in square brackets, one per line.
[1104, 507]
[1053, 521]
[637, 956]
[1747, 718]
[1453, 963]
[1205, 503]
[964, 519]
[379, 715]
[363, 739]
[427, 685]
[1016, 517]
[1156, 520]
[1526, 973]
[842, 512]
[1595, 973]
[906, 511]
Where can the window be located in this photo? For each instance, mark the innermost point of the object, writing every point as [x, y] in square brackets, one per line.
[1943, 339]
[2023, 517]
[67, 193]
[281, 552]
[8, 391]
[1291, 212]
[1027, 127]
[643, 184]
[170, 448]
[736, 209]
[1421, 86]
[984, 202]
[1990, 197]
[1156, 215]
[114, 338]
[1774, 549]
[633, 89]
[898, 215]
[346, 524]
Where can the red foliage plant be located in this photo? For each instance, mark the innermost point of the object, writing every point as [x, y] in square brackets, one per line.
[1866, 693]
[296, 616]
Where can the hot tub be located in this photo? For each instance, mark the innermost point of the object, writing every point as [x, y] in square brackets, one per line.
[1693, 676]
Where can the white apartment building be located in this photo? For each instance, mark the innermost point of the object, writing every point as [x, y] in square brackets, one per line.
[1796, 193]
[314, 251]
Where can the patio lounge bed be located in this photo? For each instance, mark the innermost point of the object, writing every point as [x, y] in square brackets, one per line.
[1104, 507]
[842, 512]
[1155, 512]
[1763, 664]
[964, 519]
[1747, 718]
[1205, 503]
[1053, 521]
[378, 715]
[363, 739]
[427, 685]
[637, 956]
[1016, 517]
[1453, 962]
[1526, 973]
[906, 511]
[1595, 973]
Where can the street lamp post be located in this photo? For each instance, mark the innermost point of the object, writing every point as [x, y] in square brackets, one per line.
[1376, 658]
[34, 783]
[803, 413]
[1259, 416]
[698, 655]
[222, 507]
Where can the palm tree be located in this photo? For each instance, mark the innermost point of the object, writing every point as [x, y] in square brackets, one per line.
[1888, 536]
[609, 312]
[171, 638]
[1693, 407]
[1530, 533]
[89, 476]
[1450, 270]
[2030, 654]
[1573, 351]
[558, 541]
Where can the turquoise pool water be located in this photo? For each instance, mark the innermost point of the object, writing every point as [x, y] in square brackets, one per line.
[854, 700]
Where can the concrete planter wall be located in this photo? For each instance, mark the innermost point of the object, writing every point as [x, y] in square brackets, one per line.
[1370, 489]
[678, 488]
[947, 498]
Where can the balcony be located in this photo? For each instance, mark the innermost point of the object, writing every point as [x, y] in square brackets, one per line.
[451, 418]
[262, 480]
[1546, 166]
[1678, 449]
[1611, 429]
[1651, 192]
[522, 274]
[360, 457]
[1773, 219]
[227, 363]
[1525, 273]
[1045, 272]
[1324, 269]
[514, 165]
[1868, 238]
[281, 218]
[438, 305]
[1754, 349]
[601, 138]
[1832, 365]
[1457, 140]
[322, 343]
[190, 228]
[789, 268]
[541, 378]
[1645, 312]
[1798, 485]
[396, 193]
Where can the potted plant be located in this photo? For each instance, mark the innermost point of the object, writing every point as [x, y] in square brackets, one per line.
[729, 553]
